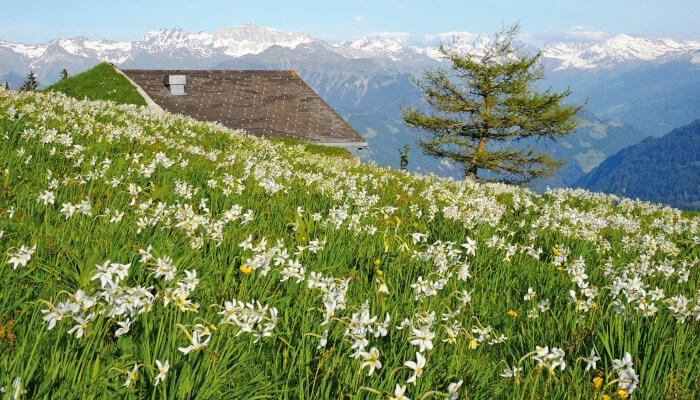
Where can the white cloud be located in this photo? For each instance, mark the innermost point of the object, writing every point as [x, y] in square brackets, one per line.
[581, 28]
[447, 36]
[391, 35]
[585, 32]
[360, 19]
[574, 33]
[447, 163]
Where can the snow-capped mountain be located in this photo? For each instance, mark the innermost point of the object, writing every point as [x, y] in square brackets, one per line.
[203, 49]
[224, 42]
[608, 54]
[619, 50]
[391, 52]
[370, 47]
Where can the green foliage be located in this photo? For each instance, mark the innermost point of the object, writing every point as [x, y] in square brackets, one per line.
[491, 98]
[403, 155]
[233, 236]
[102, 82]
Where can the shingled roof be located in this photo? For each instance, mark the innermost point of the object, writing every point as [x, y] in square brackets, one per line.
[264, 103]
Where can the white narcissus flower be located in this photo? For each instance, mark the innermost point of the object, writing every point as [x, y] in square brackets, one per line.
[557, 358]
[628, 380]
[131, 376]
[530, 294]
[47, 197]
[162, 369]
[422, 338]
[82, 323]
[371, 360]
[625, 362]
[398, 393]
[453, 390]
[591, 361]
[21, 256]
[470, 246]
[124, 327]
[416, 366]
[511, 372]
[197, 343]
[17, 385]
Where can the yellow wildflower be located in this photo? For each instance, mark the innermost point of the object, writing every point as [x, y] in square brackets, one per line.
[246, 270]
[597, 382]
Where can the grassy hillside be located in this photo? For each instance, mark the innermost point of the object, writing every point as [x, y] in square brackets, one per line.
[665, 169]
[150, 256]
[101, 82]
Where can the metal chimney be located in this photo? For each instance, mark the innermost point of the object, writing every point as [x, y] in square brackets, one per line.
[175, 84]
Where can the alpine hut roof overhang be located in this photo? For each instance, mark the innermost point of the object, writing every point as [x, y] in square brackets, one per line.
[264, 103]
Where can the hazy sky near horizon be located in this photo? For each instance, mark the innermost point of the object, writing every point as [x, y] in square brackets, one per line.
[542, 21]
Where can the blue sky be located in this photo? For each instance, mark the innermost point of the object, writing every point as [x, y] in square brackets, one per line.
[542, 21]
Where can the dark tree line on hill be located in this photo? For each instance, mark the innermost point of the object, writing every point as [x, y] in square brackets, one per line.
[661, 170]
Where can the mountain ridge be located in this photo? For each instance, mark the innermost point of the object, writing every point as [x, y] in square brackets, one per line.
[253, 39]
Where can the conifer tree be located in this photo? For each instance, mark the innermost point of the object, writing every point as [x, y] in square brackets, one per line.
[403, 155]
[30, 84]
[484, 105]
[64, 74]
[7, 85]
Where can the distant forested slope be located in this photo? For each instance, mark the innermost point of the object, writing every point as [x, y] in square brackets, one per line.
[663, 170]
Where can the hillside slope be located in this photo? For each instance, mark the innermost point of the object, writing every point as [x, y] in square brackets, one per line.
[101, 82]
[662, 170]
[146, 255]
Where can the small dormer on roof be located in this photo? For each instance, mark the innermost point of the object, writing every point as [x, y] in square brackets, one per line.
[175, 84]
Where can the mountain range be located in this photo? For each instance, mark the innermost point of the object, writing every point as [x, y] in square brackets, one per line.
[206, 49]
[633, 87]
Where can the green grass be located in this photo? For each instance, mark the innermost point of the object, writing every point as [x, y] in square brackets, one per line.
[691, 214]
[101, 82]
[314, 148]
[169, 197]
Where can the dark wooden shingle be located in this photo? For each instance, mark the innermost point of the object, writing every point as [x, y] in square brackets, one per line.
[264, 103]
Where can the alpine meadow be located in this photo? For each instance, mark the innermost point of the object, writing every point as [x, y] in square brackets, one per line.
[147, 255]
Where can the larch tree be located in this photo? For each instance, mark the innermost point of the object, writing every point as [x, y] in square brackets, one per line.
[485, 105]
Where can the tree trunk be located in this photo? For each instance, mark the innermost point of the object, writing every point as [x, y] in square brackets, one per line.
[474, 166]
